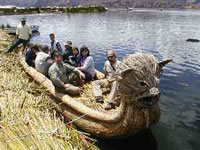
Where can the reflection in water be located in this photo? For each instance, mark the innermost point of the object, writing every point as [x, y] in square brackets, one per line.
[162, 34]
[142, 141]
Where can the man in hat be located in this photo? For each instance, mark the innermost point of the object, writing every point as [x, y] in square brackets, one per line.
[68, 51]
[23, 33]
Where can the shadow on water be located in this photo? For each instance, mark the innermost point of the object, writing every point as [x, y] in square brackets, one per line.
[143, 140]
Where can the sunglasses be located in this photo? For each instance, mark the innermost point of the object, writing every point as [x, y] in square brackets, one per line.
[110, 57]
[85, 51]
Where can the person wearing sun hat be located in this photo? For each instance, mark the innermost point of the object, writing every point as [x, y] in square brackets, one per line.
[23, 33]
[68, 43]
[67, 52]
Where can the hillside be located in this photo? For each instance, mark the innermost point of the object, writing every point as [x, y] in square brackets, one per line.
[106, 3]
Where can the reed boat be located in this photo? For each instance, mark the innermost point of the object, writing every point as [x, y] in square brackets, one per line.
[137, 79]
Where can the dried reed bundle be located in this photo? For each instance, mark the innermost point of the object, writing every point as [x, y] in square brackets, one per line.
[27, 118]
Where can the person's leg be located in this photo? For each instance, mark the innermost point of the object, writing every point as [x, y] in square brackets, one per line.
[14, 45]
[72, 90]
[97, 85]
[111, 97]
[25, 42]
[97, 89]
[75, 79]
[88, 76]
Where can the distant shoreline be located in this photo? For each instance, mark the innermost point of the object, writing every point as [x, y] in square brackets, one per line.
[12, 10]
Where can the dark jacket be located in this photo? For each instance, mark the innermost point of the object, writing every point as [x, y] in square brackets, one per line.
[67, 53]
[74, 60]
[30, 57]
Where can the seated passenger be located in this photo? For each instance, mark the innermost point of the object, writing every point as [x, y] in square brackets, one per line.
[108, 82]
[67, 52]
[86, 64]
[74, 59]
[31, 55]
[29, 45]
[43, 60]
[64, 76]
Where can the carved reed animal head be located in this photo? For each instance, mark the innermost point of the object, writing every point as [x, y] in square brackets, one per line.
[138, 76]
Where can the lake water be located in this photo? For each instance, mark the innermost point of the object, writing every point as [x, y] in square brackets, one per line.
[161, 33]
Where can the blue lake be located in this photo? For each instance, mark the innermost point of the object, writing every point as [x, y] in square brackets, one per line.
[161, 33]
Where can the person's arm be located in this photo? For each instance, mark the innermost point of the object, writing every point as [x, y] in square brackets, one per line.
[77, 61]
[59, 47]
[69, 68]
[81, 74]
[105, 70]
[87, 64]
[55, 78]
[17, 32]
[29, 32]
[29, 59]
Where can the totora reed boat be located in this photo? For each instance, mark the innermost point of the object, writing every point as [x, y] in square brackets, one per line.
[137, 79]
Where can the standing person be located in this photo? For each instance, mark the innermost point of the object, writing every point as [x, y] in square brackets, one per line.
[108, 82]
[65, 76]
[31, 55]
[67, 52]
[86, 64]
[43, 60]
[55, 45]
[23, 33]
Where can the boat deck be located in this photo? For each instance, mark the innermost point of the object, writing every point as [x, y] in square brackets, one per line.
[88, 99]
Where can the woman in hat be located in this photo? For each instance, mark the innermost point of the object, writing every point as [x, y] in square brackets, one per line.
[67, 52]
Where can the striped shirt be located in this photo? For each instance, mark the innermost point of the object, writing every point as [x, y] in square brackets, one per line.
[55, 45]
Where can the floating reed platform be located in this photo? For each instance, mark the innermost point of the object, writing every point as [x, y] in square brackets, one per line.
[27, 118]
[34, 10]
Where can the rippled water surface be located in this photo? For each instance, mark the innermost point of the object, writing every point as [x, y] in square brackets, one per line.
[161, 33]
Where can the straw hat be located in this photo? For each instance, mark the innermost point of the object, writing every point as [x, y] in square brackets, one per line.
[69, 43]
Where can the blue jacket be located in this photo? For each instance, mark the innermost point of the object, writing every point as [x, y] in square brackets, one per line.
[30, 56]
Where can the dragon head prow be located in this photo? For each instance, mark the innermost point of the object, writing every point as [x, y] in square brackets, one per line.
[138, 76]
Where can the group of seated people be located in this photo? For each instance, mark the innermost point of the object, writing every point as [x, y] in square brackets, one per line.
[68, 70]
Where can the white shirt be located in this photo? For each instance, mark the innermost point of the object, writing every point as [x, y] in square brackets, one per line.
[41, 63]
[88, 66]
[23, 31]
[109, 69]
